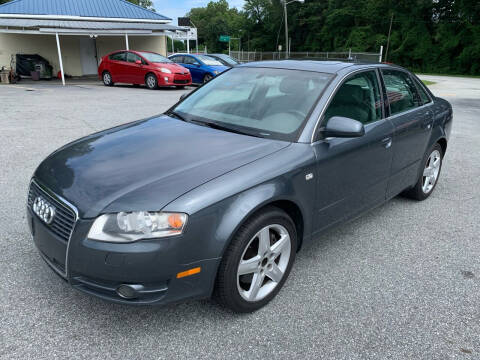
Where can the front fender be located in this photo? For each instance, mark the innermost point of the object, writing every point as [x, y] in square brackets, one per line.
[218, 208]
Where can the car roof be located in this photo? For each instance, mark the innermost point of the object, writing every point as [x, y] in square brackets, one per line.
[324, 66]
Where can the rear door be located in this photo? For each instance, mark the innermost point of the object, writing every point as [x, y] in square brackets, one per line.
[352, 173]
[412, 119]
[117, 63]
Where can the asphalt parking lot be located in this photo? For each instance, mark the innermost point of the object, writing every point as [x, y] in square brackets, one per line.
[401, 282]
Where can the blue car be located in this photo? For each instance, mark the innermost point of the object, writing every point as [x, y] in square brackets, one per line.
[202, 68]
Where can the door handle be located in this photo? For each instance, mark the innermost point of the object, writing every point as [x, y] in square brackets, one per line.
[387, 142]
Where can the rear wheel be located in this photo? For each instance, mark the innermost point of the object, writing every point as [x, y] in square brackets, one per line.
[428, 178]
[257, 262]
[107, 79]
[151, 81]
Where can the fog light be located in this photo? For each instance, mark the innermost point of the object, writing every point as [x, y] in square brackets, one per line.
[166, 79]
[127, 292]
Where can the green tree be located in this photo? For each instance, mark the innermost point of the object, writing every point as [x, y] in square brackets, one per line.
[216, 19]
[147, 4]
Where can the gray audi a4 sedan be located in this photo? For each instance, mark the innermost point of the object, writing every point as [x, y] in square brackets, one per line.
[218, 194]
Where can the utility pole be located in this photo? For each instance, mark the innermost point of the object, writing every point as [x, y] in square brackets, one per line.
[388, 38]
[286, 27]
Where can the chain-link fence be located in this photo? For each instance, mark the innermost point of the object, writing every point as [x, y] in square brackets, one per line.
[247, 56]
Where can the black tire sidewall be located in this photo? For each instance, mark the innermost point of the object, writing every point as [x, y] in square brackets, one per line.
[229, 266]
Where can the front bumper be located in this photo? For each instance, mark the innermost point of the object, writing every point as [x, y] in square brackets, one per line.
[174, 79]
[99, 268]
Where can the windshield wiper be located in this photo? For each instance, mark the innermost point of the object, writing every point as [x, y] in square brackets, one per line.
[215, 125]
[177, 115]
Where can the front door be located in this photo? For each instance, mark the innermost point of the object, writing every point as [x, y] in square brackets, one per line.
[352, 173]
[88, 56]
[135, 73]
[194, 67]
[412, 119]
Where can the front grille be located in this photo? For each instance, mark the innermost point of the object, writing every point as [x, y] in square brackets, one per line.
[64, 219]
[180, 81]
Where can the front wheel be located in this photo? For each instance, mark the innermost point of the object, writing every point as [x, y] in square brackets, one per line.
[428, 178]
[207, 78]
[151, 81]
[257, 262]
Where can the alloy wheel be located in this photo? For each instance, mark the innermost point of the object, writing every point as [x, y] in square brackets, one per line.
[151, 82]
[207, 78]
[264, 262]
[431, 171]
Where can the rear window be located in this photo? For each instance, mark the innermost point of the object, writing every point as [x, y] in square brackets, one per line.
[120, 56]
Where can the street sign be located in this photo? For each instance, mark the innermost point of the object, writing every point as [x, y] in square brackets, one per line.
[224, 38]
[182, 35]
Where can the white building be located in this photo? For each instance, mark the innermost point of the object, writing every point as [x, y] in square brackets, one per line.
[76, 34]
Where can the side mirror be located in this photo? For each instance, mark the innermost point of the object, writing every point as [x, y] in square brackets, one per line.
[183, 96]
[138, 62]
[338, 126]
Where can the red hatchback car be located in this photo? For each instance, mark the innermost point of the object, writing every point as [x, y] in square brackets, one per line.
[142, 67]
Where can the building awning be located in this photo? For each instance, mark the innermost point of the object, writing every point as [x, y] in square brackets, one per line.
[70, 26]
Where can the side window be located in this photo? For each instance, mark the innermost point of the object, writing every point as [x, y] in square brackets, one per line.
[190, 60]
[401, 91]
[120, 56]
[131, 57]
[423, 94]
[358, 98]
[177, 59]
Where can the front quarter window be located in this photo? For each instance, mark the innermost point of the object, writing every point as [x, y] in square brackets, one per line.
[266, 102]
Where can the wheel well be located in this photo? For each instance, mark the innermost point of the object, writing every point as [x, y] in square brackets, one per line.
[149, 73]
[443, 144]
[295, 214]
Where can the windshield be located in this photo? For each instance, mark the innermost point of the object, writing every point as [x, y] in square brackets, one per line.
[227, 59]
[155, 58]
[207, 60]
[265, 102]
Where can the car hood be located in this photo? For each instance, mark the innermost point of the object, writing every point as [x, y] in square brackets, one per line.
[219, 68]
[171, 66]
[146, 164]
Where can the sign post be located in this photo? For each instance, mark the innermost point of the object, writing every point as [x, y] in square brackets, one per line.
[225, 38]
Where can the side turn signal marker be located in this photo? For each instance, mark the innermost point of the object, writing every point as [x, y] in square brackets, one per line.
[189, 272]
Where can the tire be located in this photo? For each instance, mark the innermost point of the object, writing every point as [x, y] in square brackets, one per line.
[237, 291]
[151, 81]
[107, 79]
[207, 78]
[426, 184]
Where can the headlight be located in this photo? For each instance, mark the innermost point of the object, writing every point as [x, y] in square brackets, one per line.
[165, 70]
[132, 226]
[216, 72]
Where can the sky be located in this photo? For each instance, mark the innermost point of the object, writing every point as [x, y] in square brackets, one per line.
[178, 8]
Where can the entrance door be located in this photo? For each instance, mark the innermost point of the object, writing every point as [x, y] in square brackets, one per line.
[88, 56]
